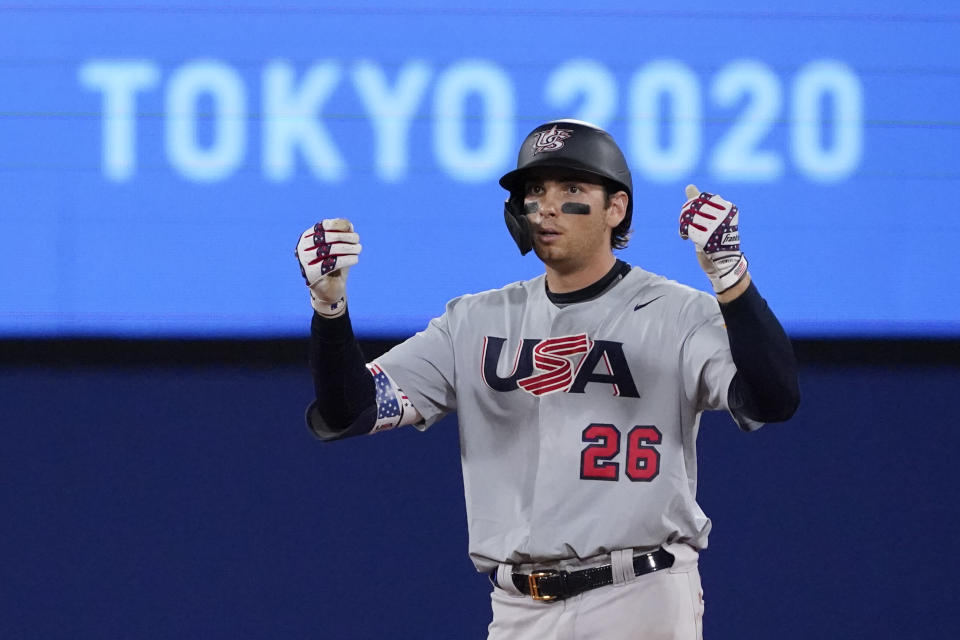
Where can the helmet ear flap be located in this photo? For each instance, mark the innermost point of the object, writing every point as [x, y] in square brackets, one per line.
[517, 224]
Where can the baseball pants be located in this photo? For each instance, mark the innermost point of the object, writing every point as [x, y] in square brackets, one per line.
[664, 605]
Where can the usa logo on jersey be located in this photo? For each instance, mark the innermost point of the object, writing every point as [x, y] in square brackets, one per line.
[563, 364]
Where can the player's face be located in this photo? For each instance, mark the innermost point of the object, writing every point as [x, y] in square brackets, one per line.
[571, 218]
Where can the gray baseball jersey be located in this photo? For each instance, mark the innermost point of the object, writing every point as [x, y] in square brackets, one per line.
[578, 423]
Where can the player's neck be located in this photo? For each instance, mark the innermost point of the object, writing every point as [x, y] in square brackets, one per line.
[563, 278]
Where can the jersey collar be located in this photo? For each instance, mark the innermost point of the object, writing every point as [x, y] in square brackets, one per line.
[616, 273]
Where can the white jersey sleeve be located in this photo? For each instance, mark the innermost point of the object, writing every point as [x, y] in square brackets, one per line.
[706, 365]
[423, 367]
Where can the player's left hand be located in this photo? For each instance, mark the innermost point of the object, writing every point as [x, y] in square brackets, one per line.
[712, 223]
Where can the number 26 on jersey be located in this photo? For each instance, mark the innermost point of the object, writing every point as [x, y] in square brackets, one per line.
[599, 460]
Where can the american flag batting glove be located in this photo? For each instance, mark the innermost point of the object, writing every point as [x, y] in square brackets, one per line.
[326, 251]
[712, 223]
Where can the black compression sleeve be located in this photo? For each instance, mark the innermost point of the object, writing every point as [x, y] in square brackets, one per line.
[765, 387]
[345, 394]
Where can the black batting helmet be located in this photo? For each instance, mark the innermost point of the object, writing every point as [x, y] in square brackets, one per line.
[564, 144]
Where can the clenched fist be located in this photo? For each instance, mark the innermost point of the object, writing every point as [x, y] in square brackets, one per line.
[713, 224]
[326, 251]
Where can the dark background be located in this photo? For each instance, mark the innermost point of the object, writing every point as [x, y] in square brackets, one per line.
[171, 490]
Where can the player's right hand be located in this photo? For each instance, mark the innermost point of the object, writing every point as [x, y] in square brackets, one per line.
[326, 251]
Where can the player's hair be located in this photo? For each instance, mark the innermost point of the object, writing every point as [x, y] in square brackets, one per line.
[620, 236]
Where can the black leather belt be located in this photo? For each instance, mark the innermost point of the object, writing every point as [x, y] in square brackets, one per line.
[557, 585]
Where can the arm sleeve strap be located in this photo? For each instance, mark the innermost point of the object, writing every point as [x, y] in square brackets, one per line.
[765, 387]
[345, 403]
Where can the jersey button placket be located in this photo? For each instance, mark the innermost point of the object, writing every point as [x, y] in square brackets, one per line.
[554, 433]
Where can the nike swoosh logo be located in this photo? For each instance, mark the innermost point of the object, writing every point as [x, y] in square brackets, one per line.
[642, 305]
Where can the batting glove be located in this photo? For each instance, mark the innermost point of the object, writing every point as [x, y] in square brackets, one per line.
[713, 225]
[326, 251]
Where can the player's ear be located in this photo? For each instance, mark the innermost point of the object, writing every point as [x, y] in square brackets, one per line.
[616, 209]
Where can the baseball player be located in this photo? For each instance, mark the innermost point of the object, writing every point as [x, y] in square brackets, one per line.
[578, 393]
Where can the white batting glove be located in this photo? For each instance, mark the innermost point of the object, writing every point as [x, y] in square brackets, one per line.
[713, 225]
[326, 251]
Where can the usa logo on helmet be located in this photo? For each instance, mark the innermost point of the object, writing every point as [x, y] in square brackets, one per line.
[551, 139]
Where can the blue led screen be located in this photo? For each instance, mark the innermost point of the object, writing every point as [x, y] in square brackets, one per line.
[159, 160]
